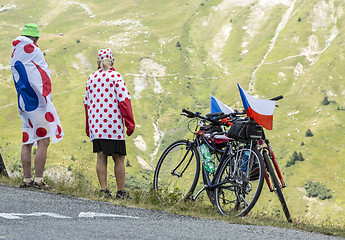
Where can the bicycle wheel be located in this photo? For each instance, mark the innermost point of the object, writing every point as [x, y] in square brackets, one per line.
[177, 170]
[239, 187]
[277, 186]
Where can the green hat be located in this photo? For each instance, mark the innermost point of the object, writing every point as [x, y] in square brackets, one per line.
[31, 29]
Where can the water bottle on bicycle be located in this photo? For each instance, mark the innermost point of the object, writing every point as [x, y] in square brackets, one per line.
[206, 157]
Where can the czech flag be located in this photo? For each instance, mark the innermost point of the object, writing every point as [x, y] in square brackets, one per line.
[261, 110]
[218, 106]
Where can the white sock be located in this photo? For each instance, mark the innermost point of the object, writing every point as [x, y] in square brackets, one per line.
[27, 180]
[38, 179]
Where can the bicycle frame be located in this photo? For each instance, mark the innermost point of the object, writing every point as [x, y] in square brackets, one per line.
[272, 157]
[199, 139]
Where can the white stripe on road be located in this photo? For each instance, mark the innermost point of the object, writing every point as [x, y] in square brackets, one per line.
[55, 215]
[93, 214]
[37, 214]
[9, 216]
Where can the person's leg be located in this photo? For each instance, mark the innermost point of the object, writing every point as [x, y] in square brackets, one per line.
[101, 169]
[41, 157]
[120, 171]
[26, 160]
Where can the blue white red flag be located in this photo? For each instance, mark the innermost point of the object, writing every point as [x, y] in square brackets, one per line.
[261, 110]
[218, 106]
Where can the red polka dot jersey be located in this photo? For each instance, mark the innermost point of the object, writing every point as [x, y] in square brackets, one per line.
[105, 90]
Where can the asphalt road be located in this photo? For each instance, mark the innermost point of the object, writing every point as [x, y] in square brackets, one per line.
[28, 214]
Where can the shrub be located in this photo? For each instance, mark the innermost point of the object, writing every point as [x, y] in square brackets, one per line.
[294, 158]
[309, 133]
[317, 189]
[128, 164]
[325, 101]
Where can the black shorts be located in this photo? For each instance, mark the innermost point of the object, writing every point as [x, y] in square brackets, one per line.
[109, 146]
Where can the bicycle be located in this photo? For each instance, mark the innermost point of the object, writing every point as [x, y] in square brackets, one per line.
[181, 160]
[268, 156]
[270, 172]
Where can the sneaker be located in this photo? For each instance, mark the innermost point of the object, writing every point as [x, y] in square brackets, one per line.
[26, 184]
[106, 193]
[123, 195]
[41, 185]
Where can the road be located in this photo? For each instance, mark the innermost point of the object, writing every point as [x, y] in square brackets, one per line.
[29, 214]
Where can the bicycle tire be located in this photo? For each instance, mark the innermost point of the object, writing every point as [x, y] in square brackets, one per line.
[186, 174]
[239, 191]
[277, 186]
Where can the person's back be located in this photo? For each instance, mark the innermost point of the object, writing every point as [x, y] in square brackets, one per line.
[108, 109]
[40, 120]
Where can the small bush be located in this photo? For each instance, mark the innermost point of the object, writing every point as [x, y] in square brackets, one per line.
[317, 189]
[128, 164]
[309, 133]
[294, 158]
[325, 101]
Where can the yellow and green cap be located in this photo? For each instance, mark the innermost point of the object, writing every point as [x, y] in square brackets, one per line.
[31, 29]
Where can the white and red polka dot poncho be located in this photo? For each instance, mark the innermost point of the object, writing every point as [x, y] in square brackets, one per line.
[105, 94]
[32, 81]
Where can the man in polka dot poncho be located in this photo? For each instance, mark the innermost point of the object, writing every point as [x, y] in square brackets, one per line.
[40, 120]
[108, 109]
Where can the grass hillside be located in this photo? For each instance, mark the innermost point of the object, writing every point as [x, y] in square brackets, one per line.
[173, 55]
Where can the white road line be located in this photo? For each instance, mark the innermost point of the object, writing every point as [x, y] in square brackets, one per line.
[9, 216]
[35, 214]
[93, 214]
[55, 215]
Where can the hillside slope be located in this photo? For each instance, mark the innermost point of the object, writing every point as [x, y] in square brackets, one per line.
[173, 55]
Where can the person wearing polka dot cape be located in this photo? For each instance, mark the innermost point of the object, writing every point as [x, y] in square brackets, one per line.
[31, 77]
[108, 110]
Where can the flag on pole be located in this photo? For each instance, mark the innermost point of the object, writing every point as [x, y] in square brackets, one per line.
[261, 110]
[218, 106]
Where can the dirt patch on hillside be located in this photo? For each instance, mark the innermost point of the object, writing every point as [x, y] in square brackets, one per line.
[7, 7]
[82, 64]
[143, 163]
[149, 73]
[140, 143]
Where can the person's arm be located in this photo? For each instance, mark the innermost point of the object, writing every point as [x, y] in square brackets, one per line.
[127, 114]
[87, 128]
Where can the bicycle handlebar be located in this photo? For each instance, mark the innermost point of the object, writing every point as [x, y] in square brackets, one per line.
[277, 98]
[212, 117]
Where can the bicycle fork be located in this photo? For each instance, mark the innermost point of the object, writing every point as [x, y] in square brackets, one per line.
[276, 167]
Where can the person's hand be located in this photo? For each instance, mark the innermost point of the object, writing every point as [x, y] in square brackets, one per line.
[130, 131]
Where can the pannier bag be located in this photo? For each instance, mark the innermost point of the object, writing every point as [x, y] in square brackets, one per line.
[211, 129]
[245, 131]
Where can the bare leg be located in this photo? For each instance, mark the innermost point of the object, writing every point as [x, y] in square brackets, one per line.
[101, 169]
[41, 156]
[120, 171]
[26, 160]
